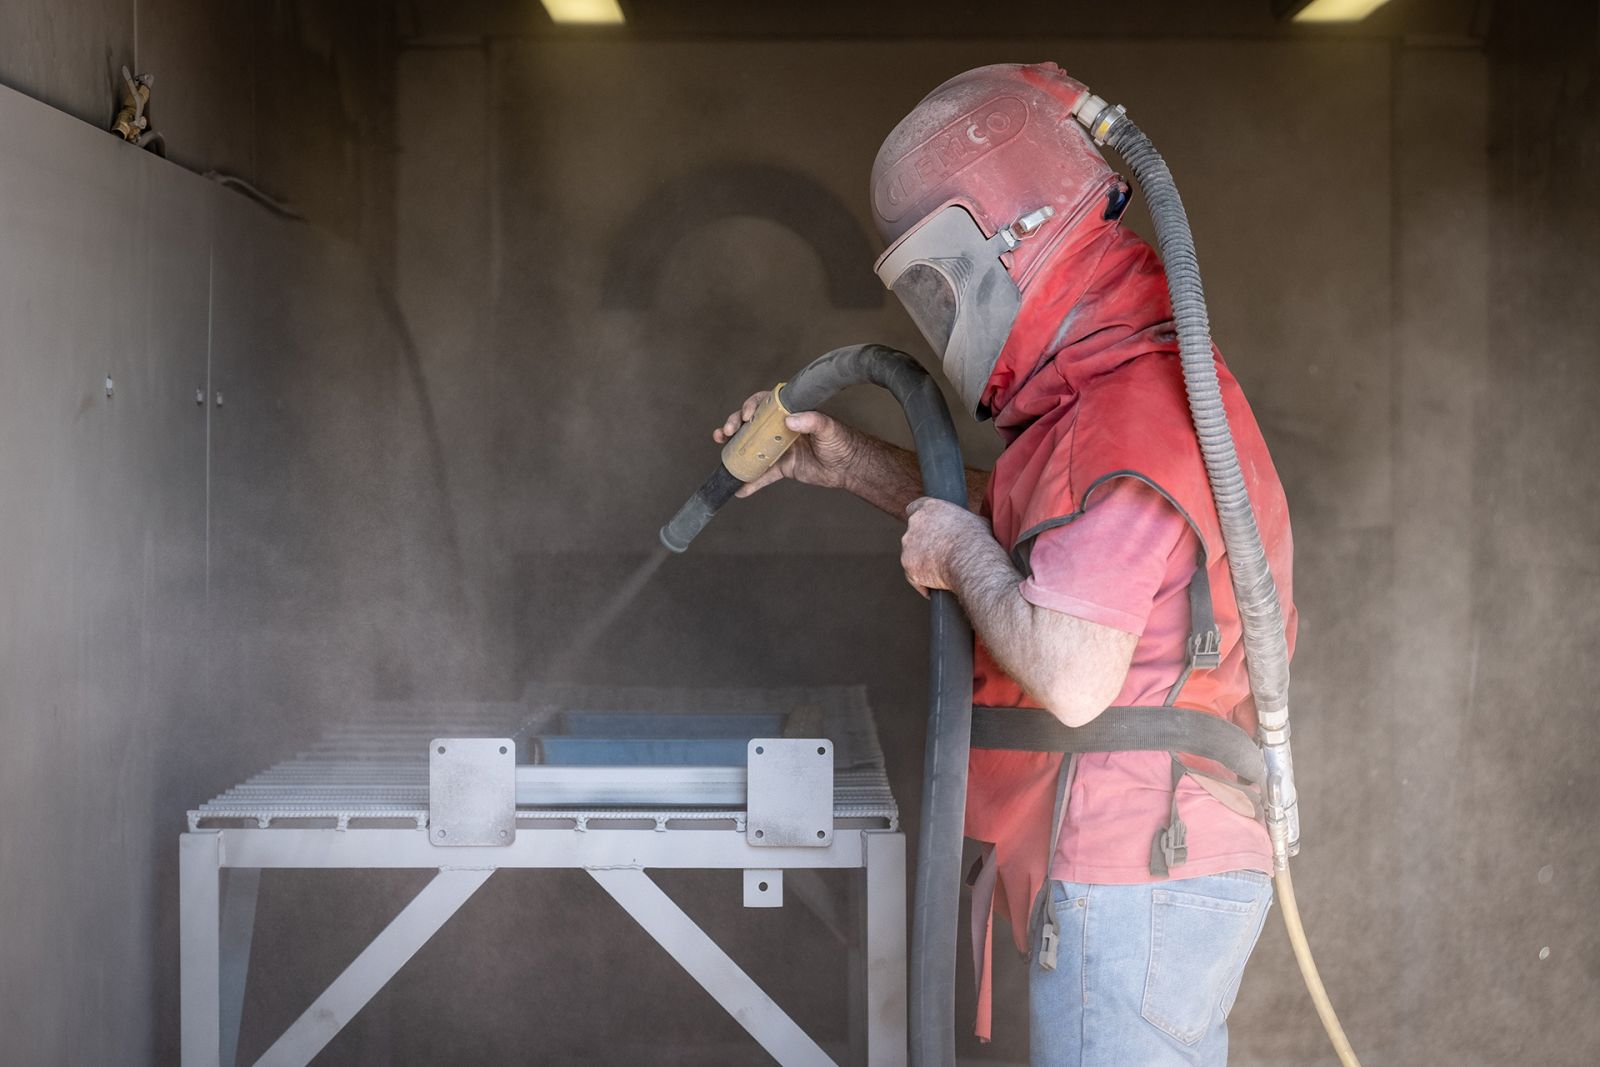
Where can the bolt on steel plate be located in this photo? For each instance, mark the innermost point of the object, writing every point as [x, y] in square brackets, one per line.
[789, 795]
[472, 791]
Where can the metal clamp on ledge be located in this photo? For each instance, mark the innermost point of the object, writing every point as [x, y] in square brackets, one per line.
[472, 791]
[789, 792]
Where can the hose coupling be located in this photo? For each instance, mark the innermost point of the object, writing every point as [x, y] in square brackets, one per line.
[131, 122]
[1282, 802]
[1098, 117]
[1272, 724]
[1272, 737]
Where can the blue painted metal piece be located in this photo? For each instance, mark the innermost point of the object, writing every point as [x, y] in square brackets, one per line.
[640, 724]
[640, 752]
[653, 739]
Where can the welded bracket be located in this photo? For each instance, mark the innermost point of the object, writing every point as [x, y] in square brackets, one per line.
[763, 888]
[472, 791]
[789, 792]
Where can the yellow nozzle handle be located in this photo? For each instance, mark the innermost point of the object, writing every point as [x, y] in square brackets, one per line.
[762, 442]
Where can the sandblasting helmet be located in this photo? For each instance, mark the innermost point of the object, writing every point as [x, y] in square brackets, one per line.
[972, 192]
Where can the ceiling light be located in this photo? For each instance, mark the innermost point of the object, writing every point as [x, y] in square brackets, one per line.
[590, 12]
[1337, 10]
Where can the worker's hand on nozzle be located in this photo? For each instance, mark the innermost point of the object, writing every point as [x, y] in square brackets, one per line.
[936, 530]
[823, 454]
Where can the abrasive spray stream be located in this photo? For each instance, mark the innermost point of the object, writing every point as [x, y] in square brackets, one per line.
[586, 635]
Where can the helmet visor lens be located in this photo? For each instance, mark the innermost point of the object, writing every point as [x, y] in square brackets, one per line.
[951, 280]
[929, 298]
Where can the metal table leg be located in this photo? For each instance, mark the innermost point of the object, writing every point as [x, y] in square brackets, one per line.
[240, 885]
[200, 951]
[885, 856]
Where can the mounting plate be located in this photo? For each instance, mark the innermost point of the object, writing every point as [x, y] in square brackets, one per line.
[763, 888]
[472, 791]
[789, 795]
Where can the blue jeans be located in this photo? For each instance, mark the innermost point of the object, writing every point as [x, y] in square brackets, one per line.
[1145, 975]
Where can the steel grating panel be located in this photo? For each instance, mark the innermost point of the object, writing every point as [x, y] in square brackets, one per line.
[374, 771]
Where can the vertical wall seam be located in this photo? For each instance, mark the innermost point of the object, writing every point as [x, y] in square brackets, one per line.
[211, 294]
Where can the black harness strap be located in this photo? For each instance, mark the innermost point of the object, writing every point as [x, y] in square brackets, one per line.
[1123, 729]
[1138, 729]
[1170, 847]
[1204, 645]
[1047, 916]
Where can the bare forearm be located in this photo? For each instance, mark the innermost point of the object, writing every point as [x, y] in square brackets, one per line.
[888, 477]
[1071, 667]
[986, 583]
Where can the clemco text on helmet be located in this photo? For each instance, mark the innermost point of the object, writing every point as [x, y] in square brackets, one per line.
[930, 164]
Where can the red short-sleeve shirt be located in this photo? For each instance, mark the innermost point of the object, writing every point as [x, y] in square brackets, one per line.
[1126, 564]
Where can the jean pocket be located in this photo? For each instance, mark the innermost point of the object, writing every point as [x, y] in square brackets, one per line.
[1198, 948]
[1238, 974]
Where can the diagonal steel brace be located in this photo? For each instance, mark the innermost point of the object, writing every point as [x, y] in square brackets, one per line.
[378, 962]
[708, 965]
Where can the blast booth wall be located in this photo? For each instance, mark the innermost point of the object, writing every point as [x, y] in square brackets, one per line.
[344, 469]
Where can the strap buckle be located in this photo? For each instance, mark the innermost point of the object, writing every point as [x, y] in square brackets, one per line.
[1175, 844]
[1048, 946]
[1170, 849]
[1205, 649]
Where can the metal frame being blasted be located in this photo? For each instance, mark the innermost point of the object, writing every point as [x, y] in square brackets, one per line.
[360, 800]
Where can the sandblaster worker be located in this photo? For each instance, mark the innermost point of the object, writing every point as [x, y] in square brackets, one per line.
[1091, 565]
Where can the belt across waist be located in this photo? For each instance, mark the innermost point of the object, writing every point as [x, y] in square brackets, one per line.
[1123, 729]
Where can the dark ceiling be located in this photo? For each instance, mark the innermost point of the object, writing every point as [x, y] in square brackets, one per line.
[425, 22]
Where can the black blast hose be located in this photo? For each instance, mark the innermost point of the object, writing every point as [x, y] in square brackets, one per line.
[937, 900]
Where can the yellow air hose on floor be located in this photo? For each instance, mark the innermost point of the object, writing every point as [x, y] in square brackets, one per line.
[1308, 969]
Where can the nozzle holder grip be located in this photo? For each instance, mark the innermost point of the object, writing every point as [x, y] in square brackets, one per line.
[762, 441]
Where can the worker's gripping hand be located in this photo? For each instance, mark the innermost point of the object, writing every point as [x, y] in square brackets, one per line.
[824, 454]
[938, 534]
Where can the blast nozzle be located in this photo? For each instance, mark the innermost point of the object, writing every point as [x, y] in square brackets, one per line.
[747, 456]
[762, 441]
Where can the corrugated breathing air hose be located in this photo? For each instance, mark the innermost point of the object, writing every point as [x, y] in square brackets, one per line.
[1260, 612]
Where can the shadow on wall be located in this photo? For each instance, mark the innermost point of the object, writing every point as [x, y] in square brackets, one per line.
[642, 249]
